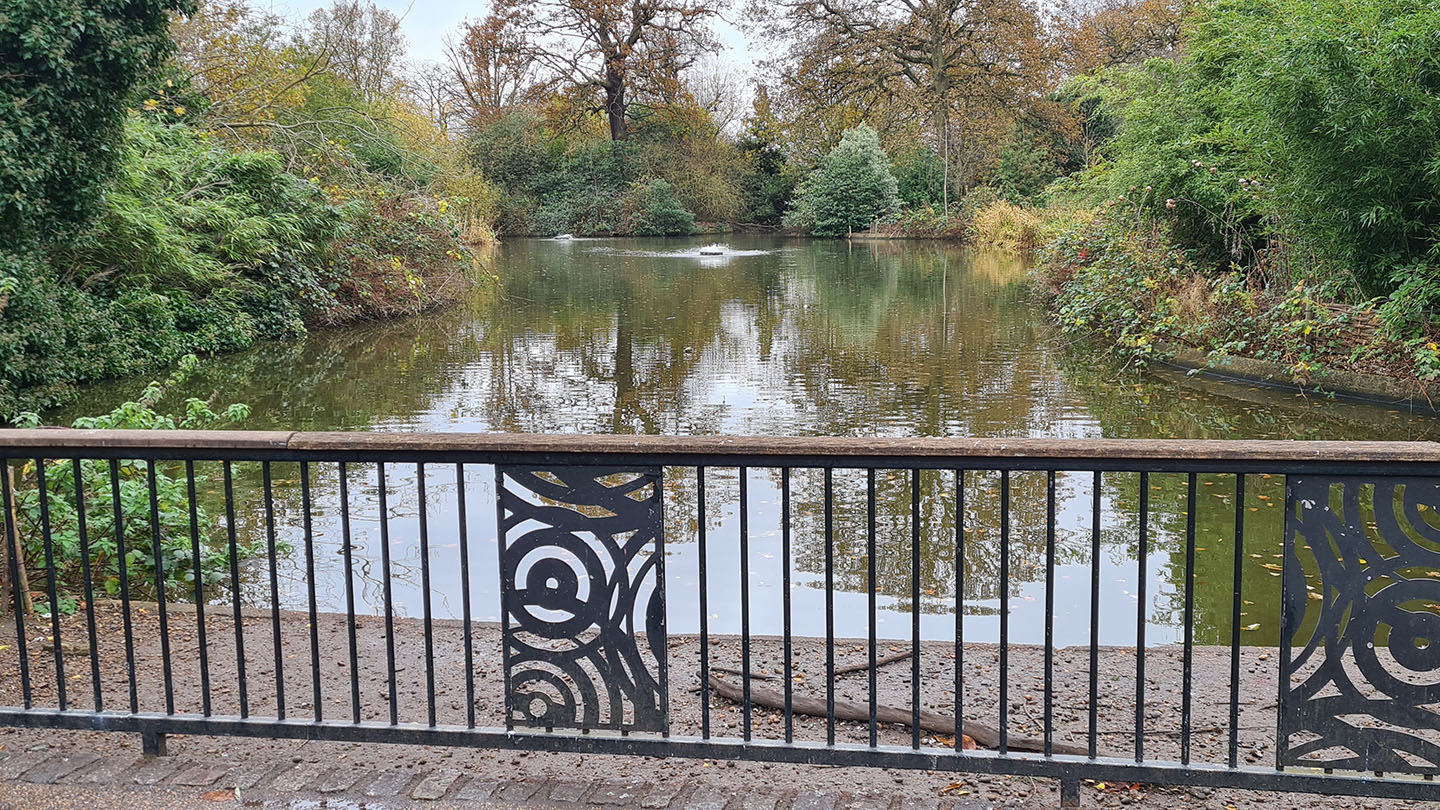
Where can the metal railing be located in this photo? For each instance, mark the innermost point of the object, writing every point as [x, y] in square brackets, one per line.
[631, 604]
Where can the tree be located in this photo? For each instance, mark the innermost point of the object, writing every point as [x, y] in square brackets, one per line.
[492, 69]
[936, 55]
[1110, 33]
[66, 67]
[363, 42]
[850, 190]
[618, 48]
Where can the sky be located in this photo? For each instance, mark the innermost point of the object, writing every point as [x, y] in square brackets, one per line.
[426, 23]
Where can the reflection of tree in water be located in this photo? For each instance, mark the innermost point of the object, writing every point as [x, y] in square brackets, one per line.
[924, 338]
[850, 510]
[627, 335]
[833, 338]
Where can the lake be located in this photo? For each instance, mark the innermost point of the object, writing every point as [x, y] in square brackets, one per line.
[779, 337]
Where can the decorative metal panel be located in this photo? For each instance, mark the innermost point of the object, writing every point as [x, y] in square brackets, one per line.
[1361, 625]
[582, 586]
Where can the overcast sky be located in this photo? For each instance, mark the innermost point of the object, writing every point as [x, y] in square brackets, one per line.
[426, 23]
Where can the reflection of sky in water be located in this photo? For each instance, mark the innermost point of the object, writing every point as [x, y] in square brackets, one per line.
[1118, 574]
[782, 337]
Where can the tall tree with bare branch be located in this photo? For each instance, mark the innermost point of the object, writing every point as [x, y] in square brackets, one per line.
[945, 55]
[617, 48]
[492, 69]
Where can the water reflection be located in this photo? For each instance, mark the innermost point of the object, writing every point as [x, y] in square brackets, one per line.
[794, 338]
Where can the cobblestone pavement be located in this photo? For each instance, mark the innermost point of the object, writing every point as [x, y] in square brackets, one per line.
[39, 780]
[35, 775]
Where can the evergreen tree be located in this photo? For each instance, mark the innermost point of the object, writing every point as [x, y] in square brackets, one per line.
[851, 189]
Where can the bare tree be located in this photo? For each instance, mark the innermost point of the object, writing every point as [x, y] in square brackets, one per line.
[364, 43]
[492, 68]
[615, 47]
[719, 91]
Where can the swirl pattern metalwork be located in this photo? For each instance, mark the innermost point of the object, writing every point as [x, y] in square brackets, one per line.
[583, 591]
[1362, 635]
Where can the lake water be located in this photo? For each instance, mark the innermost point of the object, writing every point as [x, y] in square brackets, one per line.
[778, 337]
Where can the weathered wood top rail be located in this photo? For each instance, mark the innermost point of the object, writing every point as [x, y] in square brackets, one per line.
[751, 450]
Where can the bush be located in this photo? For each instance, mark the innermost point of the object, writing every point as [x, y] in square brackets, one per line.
[920, 178]
[852, 188]
[1133, 288]
[66, 67]
[1004, 226]
[177, 553]
[655, 210]
[1293, 129]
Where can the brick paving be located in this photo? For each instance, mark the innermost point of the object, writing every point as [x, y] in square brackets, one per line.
[180, 782]
[279, 787]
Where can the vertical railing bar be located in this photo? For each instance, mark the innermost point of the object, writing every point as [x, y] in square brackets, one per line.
[12, 541]
[1004, 611]
[347, 555]
[124, 574]
[505, 586]
[663, 659]
[91, 629]
[745, 603]
[871, 603]
[1140, 615]
[959, 611]
[1049, 612]
[1095, 493]
[383, 505]
[1235, 620]
[309, 538]
[785, 601]
[1189, 654]
[230, 531]
[425, 606]
[829, 606]
[465, 595]
[914, 609]
[270, 553]
[167, 674]
[1289, 623]
[49, 542]
[704, 603]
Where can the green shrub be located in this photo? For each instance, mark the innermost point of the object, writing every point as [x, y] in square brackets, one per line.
[920, 178]
[1299, 136]
[66, 67]
[172, 501]
[656, 210]
[852, 188]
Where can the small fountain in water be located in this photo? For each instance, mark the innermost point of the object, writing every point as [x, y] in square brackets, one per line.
[712, 250]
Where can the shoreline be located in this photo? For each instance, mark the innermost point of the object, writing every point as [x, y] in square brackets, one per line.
[1372, 389]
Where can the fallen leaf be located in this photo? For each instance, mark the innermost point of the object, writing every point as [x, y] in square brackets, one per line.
[221, 795]
[956, 788]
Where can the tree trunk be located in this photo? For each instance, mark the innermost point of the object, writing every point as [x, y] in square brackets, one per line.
[615, 104]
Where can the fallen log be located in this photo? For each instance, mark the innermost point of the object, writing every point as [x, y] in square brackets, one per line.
[981, 734]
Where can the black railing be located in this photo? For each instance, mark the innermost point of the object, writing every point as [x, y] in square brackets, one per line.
[631, 604]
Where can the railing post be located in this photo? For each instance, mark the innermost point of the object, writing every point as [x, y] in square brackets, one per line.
[152, 744]
[1070, 791]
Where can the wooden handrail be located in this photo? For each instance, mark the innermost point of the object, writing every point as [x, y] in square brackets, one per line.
[721, 447]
